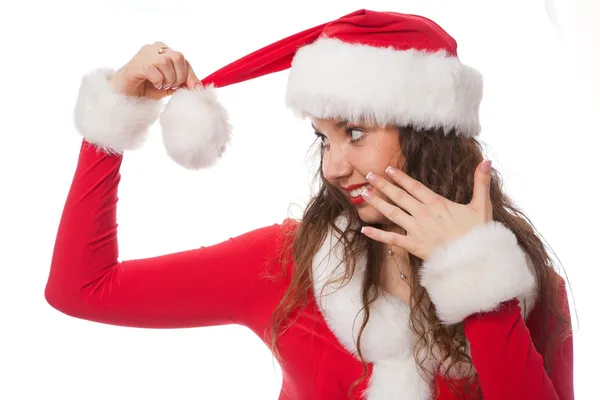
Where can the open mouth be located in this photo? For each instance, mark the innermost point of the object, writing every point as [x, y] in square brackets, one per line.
[354, 193]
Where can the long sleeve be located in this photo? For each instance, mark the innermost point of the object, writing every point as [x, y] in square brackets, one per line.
[205, 286]
[507, 362]
[485, 280]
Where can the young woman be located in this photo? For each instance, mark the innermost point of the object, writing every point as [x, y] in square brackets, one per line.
[411, 274]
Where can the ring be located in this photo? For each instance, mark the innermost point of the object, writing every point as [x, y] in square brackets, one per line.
[162, 50]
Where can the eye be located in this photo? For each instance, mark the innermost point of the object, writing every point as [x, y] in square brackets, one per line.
[322, 138]
[356, 134]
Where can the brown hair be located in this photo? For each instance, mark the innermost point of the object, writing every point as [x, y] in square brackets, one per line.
[445, 163]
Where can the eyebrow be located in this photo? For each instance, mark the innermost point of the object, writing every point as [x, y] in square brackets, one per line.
[340, 124]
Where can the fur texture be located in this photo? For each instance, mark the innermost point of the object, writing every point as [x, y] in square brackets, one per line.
[473, 274]
[110, 120]
[387, 341]
[333, 79]
[476, 273]
[195, 128]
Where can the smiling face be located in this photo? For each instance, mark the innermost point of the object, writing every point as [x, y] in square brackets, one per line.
[350, 152]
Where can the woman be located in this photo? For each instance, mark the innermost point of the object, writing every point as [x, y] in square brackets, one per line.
[446, 293]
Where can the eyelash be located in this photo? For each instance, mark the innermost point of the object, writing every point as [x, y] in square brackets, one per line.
[349, 131]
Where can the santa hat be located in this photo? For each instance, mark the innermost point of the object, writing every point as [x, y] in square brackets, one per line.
[375, 67]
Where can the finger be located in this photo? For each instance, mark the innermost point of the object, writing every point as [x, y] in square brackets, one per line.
[192, 80]
[152, 49]
[481, 186]
[167, 69]
[158, 45]
[153, 75]
[391, 212]
[393, 238]
[180, 65]
[397, 195]
[412, 186]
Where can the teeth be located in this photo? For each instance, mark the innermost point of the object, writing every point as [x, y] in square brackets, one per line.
[357, 192]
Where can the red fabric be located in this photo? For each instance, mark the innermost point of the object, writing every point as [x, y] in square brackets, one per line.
[373, 28]
[228, 283]
[390, 29]
[270, 59]
[502, 346]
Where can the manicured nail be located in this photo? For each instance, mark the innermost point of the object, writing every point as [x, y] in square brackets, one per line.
[175, 87]
[486, 166]
[199, 86]
[371, 177]
[390, 170]
[365, 193]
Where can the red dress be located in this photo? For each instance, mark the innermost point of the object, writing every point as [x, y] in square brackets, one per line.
[226, 284]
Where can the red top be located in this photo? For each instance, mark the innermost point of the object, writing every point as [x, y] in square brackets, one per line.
[217, 284]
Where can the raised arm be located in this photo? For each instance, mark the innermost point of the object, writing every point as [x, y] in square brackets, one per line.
[206, 286]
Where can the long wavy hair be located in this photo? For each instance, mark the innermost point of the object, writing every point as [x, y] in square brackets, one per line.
[445, 163]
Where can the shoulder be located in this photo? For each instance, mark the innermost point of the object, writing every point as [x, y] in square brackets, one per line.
[290, 225]
[286, 234]
[272, 246]
[270, 236]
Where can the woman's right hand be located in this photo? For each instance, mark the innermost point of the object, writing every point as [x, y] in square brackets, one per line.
[153, 75]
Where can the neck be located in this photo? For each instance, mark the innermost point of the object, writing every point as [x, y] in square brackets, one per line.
[396, 271]
[400, 253]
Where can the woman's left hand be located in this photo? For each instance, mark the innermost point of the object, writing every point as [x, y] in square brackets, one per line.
[429, 219]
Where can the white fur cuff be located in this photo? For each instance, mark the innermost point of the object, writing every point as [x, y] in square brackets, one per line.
[110, 120]
[476, 273]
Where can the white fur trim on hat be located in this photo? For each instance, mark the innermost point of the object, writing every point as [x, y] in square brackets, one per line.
[110, 120]
[333, 79]
[477, 272]
[195, 128]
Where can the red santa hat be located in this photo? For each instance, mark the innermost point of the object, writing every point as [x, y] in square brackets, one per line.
[376, 67]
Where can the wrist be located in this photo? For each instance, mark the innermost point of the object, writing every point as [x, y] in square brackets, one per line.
[117, 84]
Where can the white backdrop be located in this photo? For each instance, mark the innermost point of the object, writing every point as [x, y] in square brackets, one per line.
[541, 91]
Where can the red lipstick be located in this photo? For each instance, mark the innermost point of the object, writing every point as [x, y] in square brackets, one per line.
[358, 199]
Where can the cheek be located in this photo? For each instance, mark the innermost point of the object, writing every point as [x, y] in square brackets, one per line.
[325, 167]
[369, 160]
[325, 160]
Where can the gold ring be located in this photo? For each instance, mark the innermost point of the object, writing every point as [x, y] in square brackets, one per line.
[162, 50]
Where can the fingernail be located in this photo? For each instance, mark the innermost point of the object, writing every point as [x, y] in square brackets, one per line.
[166, 87]
[366, 194]
[486, 166]
[390, 170]
[159, 87]
[371, 177]
[175, 87]
[198, 86]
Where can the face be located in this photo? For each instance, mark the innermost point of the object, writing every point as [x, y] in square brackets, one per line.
[350, 152]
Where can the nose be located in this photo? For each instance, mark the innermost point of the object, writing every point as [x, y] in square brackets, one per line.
[336, 164]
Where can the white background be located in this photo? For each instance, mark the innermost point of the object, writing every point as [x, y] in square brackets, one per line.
[541, 91]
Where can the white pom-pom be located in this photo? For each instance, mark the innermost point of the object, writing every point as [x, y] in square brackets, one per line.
[195, 128]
